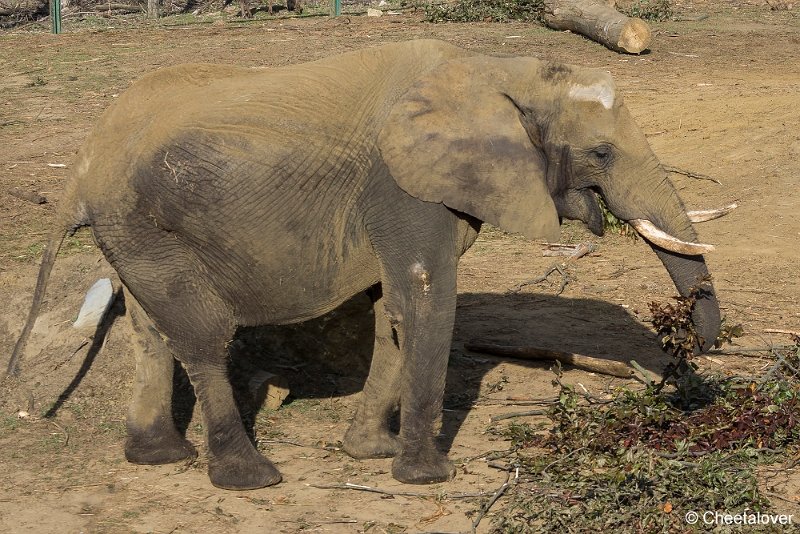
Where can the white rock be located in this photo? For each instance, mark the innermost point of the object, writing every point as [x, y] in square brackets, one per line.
[95, 305]
[374, 12]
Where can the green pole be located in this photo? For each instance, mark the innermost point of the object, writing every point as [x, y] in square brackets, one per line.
[337, 8]
[55, 15]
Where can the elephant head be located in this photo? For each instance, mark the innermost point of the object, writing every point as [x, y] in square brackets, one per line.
[522, 143]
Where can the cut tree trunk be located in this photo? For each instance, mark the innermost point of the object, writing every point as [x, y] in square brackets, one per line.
[600, 22]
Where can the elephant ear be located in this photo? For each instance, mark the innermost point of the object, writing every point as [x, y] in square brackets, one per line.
[455, 138]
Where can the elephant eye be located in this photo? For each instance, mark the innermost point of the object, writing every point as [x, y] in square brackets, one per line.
[602, 155]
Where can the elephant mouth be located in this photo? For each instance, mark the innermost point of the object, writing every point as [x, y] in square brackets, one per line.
[655, 235]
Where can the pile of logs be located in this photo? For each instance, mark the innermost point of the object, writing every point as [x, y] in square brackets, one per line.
[21, 10]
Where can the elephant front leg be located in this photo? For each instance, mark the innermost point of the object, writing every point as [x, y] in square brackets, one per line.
[425, 331]
[152, 436]
[369, 435]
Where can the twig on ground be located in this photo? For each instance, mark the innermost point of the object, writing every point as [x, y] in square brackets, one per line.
[497, 494]
[560, 268]
[745, 350]
[526, 413]
[779, 331]
[776, 496]
[296, 444]
[370, 489]
[62, 429]
[440, 512]
[648, 376]
[488, 456]
[698, 454]
[559, 460]
[588, 363]
[329, 522]
[515, 400]
[501, 467]
[572, 251]
[690, 174]
[74, 352]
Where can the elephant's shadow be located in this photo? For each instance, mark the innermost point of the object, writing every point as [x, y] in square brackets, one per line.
[330, 356]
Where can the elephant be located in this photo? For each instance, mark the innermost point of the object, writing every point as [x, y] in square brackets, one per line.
[221, 206]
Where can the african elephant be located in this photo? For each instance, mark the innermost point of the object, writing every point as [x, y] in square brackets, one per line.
[221, 205]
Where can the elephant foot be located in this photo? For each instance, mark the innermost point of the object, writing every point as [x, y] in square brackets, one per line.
[423, 467]
[363, 444]
[149, 448]
[243, 473]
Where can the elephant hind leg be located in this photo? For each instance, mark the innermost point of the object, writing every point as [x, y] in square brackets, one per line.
[369, 435]
[152, 437]
[197, 325]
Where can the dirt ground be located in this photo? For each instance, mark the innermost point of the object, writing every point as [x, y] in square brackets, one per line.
[719, 96]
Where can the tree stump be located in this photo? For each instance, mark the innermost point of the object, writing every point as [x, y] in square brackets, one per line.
[600, 22]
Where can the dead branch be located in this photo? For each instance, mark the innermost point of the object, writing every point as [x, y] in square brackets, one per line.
[778, 331]
[572, 251]
[526, 413]
[560, 268]
[587, 363]
[516, 400]
[747, 351]
[648, 377]
[497, 494]
[690, 174]
[370, 489]
[74, 352]
[303, 445]
[63, 431]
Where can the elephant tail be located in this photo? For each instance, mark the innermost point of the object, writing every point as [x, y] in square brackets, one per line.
[71, 216]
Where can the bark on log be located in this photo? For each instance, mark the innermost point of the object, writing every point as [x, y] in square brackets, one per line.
[588, 363]
[600, 22]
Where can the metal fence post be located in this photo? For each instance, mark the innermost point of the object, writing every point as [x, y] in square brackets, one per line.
[55, 15]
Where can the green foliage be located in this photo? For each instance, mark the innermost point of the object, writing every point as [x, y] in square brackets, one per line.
[640, 461]
[678, 337]
[656, 10]
[727, 333]
[612, 224]
[484, 11]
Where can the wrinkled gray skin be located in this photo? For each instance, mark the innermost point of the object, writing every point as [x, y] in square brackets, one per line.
[220, 204]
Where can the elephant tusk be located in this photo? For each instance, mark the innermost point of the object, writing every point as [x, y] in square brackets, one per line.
[699, 216]
[660, 238]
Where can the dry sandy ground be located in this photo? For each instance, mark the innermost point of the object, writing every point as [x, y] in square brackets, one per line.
[720, 96]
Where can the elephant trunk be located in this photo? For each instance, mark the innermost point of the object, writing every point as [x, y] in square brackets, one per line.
[663, 208]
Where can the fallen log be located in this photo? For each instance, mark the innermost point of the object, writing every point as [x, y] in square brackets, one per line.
[587, 363]
[599, 21]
